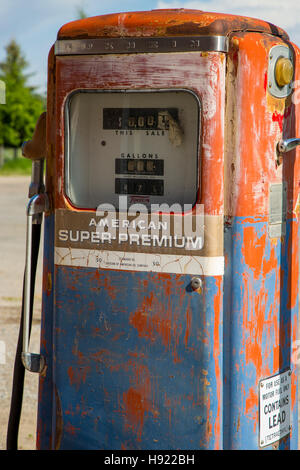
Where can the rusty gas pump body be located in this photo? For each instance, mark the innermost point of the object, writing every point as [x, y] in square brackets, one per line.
[151, 342]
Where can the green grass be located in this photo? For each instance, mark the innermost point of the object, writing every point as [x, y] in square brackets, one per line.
[17, 166]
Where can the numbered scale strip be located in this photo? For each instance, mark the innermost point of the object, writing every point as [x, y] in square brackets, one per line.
[136, 45]
[162, 263]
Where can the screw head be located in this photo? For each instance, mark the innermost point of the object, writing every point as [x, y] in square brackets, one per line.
[196, 283]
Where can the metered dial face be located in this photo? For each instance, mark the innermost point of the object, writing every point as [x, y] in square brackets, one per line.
[141, 145]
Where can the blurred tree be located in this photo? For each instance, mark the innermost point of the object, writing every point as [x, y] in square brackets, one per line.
[81, 13]
[2, 92]
[23, 105]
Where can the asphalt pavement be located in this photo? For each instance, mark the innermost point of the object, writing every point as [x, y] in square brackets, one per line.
[13, 202]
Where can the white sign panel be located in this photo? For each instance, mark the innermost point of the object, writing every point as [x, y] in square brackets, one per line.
[129, 261]
[274, 408]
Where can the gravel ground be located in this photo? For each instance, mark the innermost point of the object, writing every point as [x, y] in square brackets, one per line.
[13, 200]
[9, 330]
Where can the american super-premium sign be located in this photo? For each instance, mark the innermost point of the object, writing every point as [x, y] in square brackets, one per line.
[140, 243]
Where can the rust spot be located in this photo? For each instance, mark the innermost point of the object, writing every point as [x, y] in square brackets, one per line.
[276, 117]
[155, 320]
[208, 420]
[138, 400]
[253, 250]
[251, 406]
[275, 105]
[49, 284]
[135, 409]
[78, 375]
[217, 357]
[58, 420]
[188, 326]
[293, 273]
[149, 324]
[238, 425]
[70, 429]
[163, 23]
[266, 81]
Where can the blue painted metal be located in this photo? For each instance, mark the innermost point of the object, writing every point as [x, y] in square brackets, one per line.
[133, 371]
[111, 347]
[46, 402]
[258, 328]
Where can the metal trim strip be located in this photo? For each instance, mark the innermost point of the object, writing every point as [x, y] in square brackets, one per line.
[141, 45]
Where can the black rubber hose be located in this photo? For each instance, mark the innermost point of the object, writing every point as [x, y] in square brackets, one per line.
[19, 369]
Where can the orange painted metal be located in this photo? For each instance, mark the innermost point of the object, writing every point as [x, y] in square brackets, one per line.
[268, 311]
[153, 71]
[175, 22]
[252, 161]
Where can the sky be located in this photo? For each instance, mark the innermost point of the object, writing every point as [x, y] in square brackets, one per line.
[34, 23]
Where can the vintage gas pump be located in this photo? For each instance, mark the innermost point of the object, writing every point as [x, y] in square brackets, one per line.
[170, 293]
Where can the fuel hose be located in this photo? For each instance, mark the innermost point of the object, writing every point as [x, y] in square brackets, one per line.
[19, 369]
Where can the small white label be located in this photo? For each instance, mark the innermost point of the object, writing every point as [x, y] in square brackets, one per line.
[274, 408]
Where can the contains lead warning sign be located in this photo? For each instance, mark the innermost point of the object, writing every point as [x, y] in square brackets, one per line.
[274, 408]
